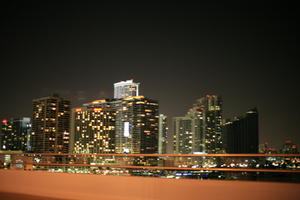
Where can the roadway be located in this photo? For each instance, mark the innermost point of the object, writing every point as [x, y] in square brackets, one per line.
[29, 185]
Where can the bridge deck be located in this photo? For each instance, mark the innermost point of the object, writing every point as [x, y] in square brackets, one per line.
[87, 186]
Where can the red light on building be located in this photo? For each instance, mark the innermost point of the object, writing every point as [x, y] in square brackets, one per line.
[97, 109]
[199, 108]
[78, 109]
[4, 121]
[271, 149]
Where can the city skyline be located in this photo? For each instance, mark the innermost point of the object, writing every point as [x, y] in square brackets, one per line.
[244, 52]
[170, 136]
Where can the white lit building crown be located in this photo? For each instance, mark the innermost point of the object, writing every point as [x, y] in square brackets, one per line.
[125, 89]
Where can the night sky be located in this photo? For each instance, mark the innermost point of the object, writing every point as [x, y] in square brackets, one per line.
[245, 52]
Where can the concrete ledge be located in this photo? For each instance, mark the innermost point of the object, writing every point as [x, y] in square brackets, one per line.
[18, 196]
[88, 186]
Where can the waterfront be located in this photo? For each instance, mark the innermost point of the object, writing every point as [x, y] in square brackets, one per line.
[255, 167]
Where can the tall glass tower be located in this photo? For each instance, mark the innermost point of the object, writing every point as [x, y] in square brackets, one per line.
[200, 131]
[136, 125]
[16, 134]
[51, 125]
[211, 105]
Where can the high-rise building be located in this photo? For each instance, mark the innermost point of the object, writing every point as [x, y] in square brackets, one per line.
[126, 124]
[188, 137]
[6, 134]
[241, 135]
[162, 134]
[16, 134]
[182, 135]
[200, 131]
[51, 125]
[211, 105]
[125, 89]
[93, 129]
[136, 123]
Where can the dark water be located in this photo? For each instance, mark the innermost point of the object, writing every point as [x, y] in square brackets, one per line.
[249, 176]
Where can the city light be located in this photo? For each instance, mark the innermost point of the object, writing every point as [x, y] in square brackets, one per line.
[149, 100]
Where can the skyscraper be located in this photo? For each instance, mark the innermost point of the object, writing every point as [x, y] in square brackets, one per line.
[136, 119]
[200, 131]
[188, 137]
[125, 89]
[93, 129]
[125, 124]
[6, 134]
[16, 134]
[136, 125]
[162, 134]
[51, 125]
[241, 135]
[211, 105]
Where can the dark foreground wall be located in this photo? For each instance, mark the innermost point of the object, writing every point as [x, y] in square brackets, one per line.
[86, 186]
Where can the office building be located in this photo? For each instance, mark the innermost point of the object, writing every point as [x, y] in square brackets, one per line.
[241, 134]
[125, 89]
[15, 134]
[51, 125]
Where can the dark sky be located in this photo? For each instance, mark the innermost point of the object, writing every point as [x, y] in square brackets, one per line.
[245, 52]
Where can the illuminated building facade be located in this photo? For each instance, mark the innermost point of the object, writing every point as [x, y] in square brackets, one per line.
[16, 134]
[211, 107]
[93, 129]
[182, 135]
[51, 125]
[200, 131]
[6, 130]
[162, 134]
[135, 121]
[126, 89]
[136, 125]
[6, 135]
[188, 137]
[241, 135]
